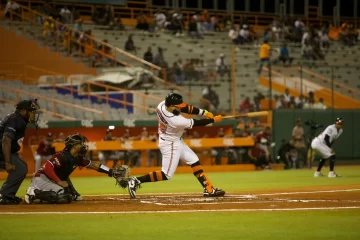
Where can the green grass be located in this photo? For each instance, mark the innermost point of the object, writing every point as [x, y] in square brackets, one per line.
[339, 224]
[230, 181]
[247, 225]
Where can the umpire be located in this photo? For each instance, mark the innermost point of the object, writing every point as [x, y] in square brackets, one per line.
[12, 133]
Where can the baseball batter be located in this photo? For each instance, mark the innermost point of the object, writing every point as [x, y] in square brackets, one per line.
[322, 145]
[171, 127]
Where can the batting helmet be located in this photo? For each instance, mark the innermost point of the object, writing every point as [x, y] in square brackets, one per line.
[339, 120]
[76, 139]
[174, 99]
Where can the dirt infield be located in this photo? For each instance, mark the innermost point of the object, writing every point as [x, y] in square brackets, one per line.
[300, 199]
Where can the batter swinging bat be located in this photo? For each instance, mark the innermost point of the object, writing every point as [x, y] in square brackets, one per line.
[251, 114]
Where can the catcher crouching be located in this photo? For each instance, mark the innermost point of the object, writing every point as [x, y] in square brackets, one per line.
[52, 184]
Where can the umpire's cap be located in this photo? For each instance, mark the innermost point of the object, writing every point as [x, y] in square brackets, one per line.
[174, 99]
[29, 105]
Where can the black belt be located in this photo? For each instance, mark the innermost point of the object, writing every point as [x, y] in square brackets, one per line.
[166, 140]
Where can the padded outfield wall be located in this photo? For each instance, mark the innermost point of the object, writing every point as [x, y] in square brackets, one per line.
[348, 144]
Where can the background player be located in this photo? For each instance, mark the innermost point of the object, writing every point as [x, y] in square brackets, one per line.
[171, 127]
[52, 183]
[44, 151]
[322, 145]
[12, 133]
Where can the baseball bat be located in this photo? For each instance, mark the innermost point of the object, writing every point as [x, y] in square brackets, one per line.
[251, 114]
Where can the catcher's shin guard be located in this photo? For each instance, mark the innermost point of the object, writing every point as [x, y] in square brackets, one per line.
[53, 197]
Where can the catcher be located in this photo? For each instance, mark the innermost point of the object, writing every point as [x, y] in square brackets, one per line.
[51, 183]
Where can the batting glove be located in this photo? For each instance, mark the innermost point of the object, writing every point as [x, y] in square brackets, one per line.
[208, 114]
[218, 118]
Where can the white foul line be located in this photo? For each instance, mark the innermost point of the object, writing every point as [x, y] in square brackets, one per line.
[184, 211]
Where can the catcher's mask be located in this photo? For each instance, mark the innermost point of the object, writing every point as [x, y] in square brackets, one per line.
[77, 140]
[32, 110]
[175, 100]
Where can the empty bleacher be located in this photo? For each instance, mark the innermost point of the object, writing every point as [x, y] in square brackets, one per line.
[67, 105]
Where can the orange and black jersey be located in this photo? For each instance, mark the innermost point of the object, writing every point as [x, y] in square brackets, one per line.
[192, 110]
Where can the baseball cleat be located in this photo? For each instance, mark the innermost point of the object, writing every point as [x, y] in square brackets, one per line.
[333, 175]
[133, 184]
[9, 201]
[30, 195]
[78, 198]
[216, 192]
[318, 174]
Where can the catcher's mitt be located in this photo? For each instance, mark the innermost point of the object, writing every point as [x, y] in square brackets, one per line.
[121, 174]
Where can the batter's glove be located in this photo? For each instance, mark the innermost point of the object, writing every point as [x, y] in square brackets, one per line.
[208, 114]
[121, 174]
[218, 118]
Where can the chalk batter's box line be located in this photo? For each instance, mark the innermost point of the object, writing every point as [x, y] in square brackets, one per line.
[182, 194]
[184, 211]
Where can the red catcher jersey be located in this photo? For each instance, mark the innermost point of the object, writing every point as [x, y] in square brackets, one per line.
[64, 164]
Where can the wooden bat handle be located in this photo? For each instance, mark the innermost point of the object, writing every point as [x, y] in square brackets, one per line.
[251, 114]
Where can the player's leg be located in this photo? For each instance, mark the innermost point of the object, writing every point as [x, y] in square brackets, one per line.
[101, 156]
[332, 174]
[12, 184]
[189, 157]
[38, 159]
[324, 152]
[46, 190]
[170, 160]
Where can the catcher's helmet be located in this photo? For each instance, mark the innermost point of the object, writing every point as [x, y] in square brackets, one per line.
[174, 99]
[76, 139]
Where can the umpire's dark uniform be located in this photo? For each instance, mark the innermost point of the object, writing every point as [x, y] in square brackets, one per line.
[13, 126]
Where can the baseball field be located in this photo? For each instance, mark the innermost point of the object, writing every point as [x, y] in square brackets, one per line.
[258, 205]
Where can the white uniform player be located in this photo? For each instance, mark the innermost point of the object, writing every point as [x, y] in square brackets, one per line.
[171, 127]
[322, 145]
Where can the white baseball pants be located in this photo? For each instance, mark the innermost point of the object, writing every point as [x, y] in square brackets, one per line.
[43, 183]
[321, 148]
[172, 152]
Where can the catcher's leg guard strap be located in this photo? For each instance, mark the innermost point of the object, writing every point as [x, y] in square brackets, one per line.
[201, 176]
[47, 196]
[53, 197]
[64, 198]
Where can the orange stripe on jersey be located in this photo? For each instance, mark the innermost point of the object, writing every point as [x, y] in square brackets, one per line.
[181, 105]
[172, 156]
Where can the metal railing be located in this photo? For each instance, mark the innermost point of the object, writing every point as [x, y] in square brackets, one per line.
[54, 102]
